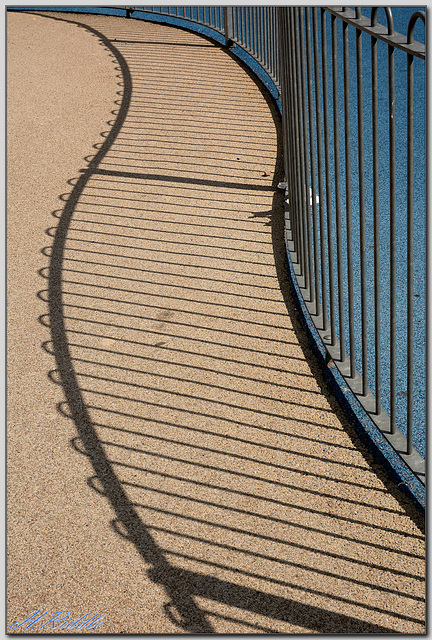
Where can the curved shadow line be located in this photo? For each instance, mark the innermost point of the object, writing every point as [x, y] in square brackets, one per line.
[180, 585]
[192, 618]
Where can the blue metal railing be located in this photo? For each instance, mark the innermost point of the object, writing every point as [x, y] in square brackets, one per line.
[349, 192]
[352, 100]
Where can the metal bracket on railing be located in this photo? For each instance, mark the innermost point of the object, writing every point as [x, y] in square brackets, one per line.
[229, 26]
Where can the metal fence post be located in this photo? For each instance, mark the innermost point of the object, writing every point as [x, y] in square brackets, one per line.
[229, 26]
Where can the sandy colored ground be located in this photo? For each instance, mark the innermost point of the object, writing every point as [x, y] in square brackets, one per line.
[221, 488]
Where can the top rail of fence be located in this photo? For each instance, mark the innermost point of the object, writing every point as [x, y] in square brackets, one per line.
[215, 17]
[379, 31]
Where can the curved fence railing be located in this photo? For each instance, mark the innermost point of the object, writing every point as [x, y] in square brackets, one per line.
[356, 215]
[352, 100]
[354, 149]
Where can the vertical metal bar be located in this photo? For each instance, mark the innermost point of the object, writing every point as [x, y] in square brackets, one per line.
[375, 163]
[272, 27]
[298, 174]
[258, 41]
[261, 34]
[410, 195]
[290, 122]
[228, 26]
[360, 129]
[328, 178]
[392, 153]
[348, 197]
[300, 155]
[312, 164]
[286, 133]
[339, 266]
[277, 58]
[288, 116]
[237, 24]
[265, 41]
[266, 14]
[320, 168]
[306, 183]
[295, 204]
[276, 45]
[255, 30]
[272, 39]
[255, 21]
[294, 193]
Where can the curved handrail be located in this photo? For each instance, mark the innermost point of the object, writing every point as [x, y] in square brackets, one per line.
[279, 38]
[371, 28]
[411, 24]
[338, 200]
[389, 15]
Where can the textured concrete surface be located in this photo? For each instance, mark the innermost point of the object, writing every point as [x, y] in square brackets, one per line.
[174, 458]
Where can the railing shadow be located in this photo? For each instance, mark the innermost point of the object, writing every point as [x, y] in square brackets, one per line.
[208, 477]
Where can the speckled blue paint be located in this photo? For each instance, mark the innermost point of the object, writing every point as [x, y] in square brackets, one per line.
[364, 426]
[401, 17]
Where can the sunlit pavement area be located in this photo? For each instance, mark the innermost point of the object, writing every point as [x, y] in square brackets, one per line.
[175, 459]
